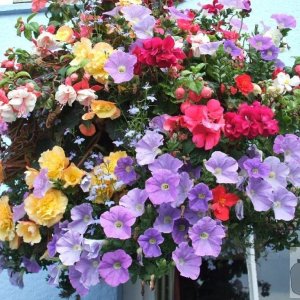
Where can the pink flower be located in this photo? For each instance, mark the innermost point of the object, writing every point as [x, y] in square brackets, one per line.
[85, 97]
[37, 5]
[46, 43]
[6, 113]
[65, 94]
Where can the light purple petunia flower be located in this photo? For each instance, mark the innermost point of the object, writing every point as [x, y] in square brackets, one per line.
[166, 217]
[135, 13]
[185, 185]
[237, 4]
[81, 216]
[166, 162]
[284, 21]
[239, 210]
[150, 241]
[125, 170]
[177, 14]
[75, 280]
[147, 148]
[284, 204]
[289, 145]
[114, 267]
[18, 212]
[199, 197]
[117, 222]
[144, 28]
[232, 49]
[15, 278]
[278, 172]
[223, 167]
[51, 246]
[31, 265]
[260, 194]
[209, 48]
[114, 12]
[255, 168]
[162, 187]
[237, 24]
[279, 64]
[120, 66]
[54, 272]
[186, 261]
[194, 172]
[41, 184]
[260, 42]
[206, 236]
[294, 175]
[89, 271]
[180, 230]
[69, 247]
[270, 54]
[135, 200]
[193, 216]
[157, 123]
[92, 248]
[86, 183]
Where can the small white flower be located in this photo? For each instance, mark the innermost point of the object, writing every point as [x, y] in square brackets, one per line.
[285, 83]
[7, 113]
[147, 86]
[151, 98]
[133, 110]
[118, 143]
[79, 140]
[130, 133]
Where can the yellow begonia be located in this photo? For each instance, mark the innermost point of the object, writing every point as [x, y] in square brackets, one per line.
[14, 244]
[110, 162]
[48, 210]
[72, 175]
[64, 34]
[128, 2]
[7, 227]
[54, 161]
[81, 50]
[104, 109]
[29, 231]
[30, 176]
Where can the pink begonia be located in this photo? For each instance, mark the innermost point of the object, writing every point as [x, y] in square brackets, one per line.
[85, 97]
[37, 5]
[65, 95]
[46, 43]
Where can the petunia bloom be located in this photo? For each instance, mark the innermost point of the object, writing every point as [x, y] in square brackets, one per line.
[150, 241]
[255, 168]
[41, 184]
[284, 204]
[284, 21]
[166, 162]
[199, 197]
[81, 216]
[125, 170]
[260, 42]
[166, 217]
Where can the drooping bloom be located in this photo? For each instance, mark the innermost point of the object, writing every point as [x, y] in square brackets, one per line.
[89, 271]
[29, 231]
[125, 170]
[117, 222]
[150, 241]
[206, 236]
[186, 261]
[114, 266]
[294, 175]
[135, 200]
[222, 201]
[180, 230]
[41, 184]
[81, 216]
[147, 148]
[255, 168]
[75, 280]
[199, 197]
[7, 227]
[69, 247]
[65, 95]
[48, 210]
[120, 66]
[223, 167]
[166, 162]
[260, 42]
[284, 204]
[165, 220]
[209, 48]
[284, 21]
[162, 186]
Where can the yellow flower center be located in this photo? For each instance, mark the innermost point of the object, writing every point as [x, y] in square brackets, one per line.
[204, 235]
[152, 241]
[165, 186]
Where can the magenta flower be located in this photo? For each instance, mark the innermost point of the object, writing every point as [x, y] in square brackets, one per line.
[114, 266]
[260, 42]
[120, 66]
[165, 220]
[223, 167]
[284, 204]
[117, 222]
[69, 247]
[187, 263]
[150, 241]
[125, 170]
[199, 197]
[162, 187]
[166, 162]
[135, 200]
[41, 184]
[147, 148]
[206, 236]
[180, 230]
[284, 21]
[82, 218]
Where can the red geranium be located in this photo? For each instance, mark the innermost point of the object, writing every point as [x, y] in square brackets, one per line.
[244, 84]
[213, 8]
[222, 201]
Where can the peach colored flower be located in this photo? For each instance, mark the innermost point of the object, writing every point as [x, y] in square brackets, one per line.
[65, 34]
[7, 226]
[29, 231]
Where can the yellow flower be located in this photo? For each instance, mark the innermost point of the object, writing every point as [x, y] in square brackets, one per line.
[129, 2]
[14, 244]
[7, 227]
[81, 50]
[72, 175]
[104, 109]
[48, 210]
[64, 34]
[29, 231]
[30, 176]
[110, 162]
[55, 161]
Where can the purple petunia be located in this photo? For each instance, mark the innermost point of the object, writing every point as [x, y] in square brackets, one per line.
[284, 204]
[199, 197]
[144, 28]
[223, 167]
[41, 184]
[81, 216]
[91, 248]
[289, 145]
[135, 200]
[75, 280]
[117, 222]
[270, 53]
[114, 266]
[193, 216]
[125, 170]
[150, 241]
[294, 175]
[260, 42]
[185, 185]
[135, 13]
[237, 4]
[186, 261]
[162, 187]
[120, 66]
[177, 14]
[206, 236]
[180, 230]
[31, 265]
[165, 220]
[232, 49]
[89, 271]
[284, 21]
[255, 168]
[166, 162]
[18, 212]
[54, 272]
[209, 48]
[147, 148]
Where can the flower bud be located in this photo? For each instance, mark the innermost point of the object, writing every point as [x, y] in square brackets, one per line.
[206, 92]
[180, 93]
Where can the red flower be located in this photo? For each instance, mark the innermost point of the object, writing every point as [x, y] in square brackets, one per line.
[244, 84]
[213, 8]
[222, 201]
[187, 25]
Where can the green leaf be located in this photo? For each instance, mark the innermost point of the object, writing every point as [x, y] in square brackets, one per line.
[31, 17]
[4, 81]
[75, 68]
[23, 74]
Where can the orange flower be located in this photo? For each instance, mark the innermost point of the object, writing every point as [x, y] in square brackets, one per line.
[64, 34]
[102, 109]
